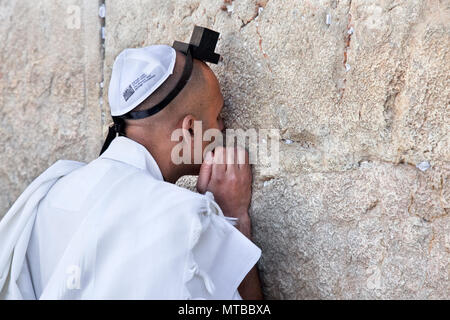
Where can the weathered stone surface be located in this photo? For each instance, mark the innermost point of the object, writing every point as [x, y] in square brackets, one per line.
[351, 234]
[50, 72]
[359, 102]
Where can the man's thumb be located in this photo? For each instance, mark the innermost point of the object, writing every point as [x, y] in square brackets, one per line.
[205, 173]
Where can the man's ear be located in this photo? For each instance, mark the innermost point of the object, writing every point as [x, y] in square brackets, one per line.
[188, 127]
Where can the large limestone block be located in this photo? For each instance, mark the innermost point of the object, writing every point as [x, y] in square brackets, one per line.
[353, 234]
[50, 72]
[373, 83]
[359, 91]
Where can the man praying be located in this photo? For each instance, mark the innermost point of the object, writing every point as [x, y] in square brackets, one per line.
[118, 227]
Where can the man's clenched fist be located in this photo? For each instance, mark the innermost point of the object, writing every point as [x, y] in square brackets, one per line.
[227, 174]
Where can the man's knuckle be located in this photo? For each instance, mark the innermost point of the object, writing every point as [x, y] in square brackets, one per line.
[233, 177]
[219, 178]
[219, 150]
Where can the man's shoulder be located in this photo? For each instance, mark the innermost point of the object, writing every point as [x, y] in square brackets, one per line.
[131, 184]
[166, 191]
[125, 186]
[147, 197]
[144, 185]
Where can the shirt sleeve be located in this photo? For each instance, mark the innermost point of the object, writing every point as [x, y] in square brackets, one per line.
[223, 257]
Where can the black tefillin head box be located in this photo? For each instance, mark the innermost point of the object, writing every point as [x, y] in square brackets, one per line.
[202, 45]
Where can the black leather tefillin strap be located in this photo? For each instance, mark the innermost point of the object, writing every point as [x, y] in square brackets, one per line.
[201, 46]
[116, 129]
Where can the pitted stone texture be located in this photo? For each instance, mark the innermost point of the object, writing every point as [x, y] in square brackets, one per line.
[352, 234]
[50, 72]
[358, 102]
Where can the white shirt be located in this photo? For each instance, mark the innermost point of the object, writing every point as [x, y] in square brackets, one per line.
[114, 229]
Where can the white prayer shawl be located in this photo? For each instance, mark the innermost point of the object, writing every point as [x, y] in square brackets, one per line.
[113, 229]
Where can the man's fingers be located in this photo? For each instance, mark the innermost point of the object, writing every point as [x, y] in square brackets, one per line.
[205, 173]
[242, 158]
[219, 166]
[231, 159]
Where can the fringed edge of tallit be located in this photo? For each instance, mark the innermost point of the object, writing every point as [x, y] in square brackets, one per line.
[208, 212]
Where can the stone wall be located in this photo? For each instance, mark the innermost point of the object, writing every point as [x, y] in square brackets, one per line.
[358, 89]
[50, 70]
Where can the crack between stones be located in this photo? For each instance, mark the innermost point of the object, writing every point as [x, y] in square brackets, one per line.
[348, 39]
[261, 48]
[357, 165]
[428, 220]
[102, 64]
[258, 6]
[192, 9]
[349, 34]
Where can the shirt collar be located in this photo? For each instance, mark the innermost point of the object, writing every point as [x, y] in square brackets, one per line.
[125, 150]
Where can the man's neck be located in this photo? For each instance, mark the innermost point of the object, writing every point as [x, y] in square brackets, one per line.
[161, 153]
